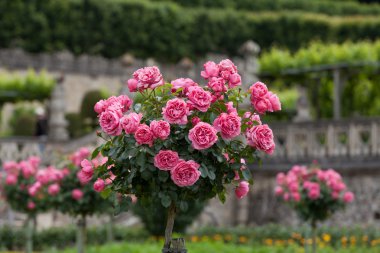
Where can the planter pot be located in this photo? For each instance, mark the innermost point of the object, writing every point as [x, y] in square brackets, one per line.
[177, 245]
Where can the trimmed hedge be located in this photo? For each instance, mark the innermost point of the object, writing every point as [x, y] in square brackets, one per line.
[164, 31]
[334, 8]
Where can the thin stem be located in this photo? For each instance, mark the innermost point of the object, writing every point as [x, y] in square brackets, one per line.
[169, 225]
[81, 234]
[313, 235]
[29, 234]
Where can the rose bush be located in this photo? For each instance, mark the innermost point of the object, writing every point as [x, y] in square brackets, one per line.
[184, 141]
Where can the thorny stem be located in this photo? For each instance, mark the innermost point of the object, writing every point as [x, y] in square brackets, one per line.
[169, 225]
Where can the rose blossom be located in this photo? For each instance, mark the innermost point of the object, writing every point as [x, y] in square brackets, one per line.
[258, 90]
[185, 173]
[31, 205]
[100, 106]
[195, 120]
[144, 135]
[77, 194]
[217, 84]
[228, 125]
[53, 189]
[348, 197]
[262, 105]
[34, 161]
[227, 68]
[235, 80]
[252, 118]
[166, 159]
[27, 169]
[278, 190]
[296, 196]
[274, 101]
[182, 83]
[11, 167]
[176, 111]
[202, 136]
[110, 122]
[132, 85]
[130, 122]
[11, 179]
[99, 185]
[261, 137]
[148, 77]
[199, 98]
[230, 108]
[160, 129]
[211, 69]
[242, 190]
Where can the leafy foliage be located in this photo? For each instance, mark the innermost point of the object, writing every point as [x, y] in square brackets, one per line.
[154, 216]
[23, 121]
[32, 86]
[89, 27]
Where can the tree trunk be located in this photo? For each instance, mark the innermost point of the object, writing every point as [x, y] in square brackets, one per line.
[314, 236]
[169, 226]
[29, 234]
[81, 234]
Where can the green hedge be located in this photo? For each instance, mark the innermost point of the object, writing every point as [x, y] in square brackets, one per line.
[360, 95]
[32, 86]
[340, 8]
[164, 31]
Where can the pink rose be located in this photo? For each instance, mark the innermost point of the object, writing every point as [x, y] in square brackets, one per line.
[160, 129]
[110, 122]
[230, 108]
[235, 80]
[77, 194]
[262, 105]
[296, 196]
[199, 98]
[130, 122]
[202, 136]
[314, 194]
[286, 196]
[185, 173]
[87, 166]
[348, 197]
[100, 106]
[11, 167]
[261, 137]
[148, 77]
[34, 161]
[217, 84]
[11, 179]
[27, 169]
[229, 125]
[85, 174]
[176, 111]
[166, 159]
[195, 120]
[216, 96]
[53, 189]
[278, 191]
[252, 118]
[227, 68]
[132, 85]
[274, 101]
[280, 178]
[335, 195]
[31, 205]
[99, 185]
[125, 102]
[144, 135]
[258, 90]
[182, 83]
[211, 69]
[242, 190]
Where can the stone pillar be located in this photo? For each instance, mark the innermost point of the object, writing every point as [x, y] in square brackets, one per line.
[57, 121]
[250, 50]
[303, 109]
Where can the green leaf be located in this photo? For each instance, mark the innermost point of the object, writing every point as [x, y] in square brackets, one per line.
[146, 175]
[166, 201]
[163, 176]
[183, 206]
[222, 196]
[203, 171]
[96, 152]
[246, 174]
[211, 174]
[141, 158]
[106, 193]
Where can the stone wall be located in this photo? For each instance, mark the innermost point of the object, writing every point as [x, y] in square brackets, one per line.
[262, 207]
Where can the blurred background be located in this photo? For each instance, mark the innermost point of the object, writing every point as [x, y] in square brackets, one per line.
[322, 58]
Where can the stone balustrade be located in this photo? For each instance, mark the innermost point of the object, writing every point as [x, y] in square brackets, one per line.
[348, 144]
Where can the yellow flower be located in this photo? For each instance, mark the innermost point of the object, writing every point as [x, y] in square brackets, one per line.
[217, 237]
[268, 242]
[194, 238]
[228, 238]
[326, 237]
[243, 239]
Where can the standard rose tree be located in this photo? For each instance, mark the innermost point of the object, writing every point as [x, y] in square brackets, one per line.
[79, 196]
[315, 194]
[184, 141]
[30, 189]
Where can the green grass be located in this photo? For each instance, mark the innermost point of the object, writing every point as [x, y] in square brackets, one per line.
[212, 247]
